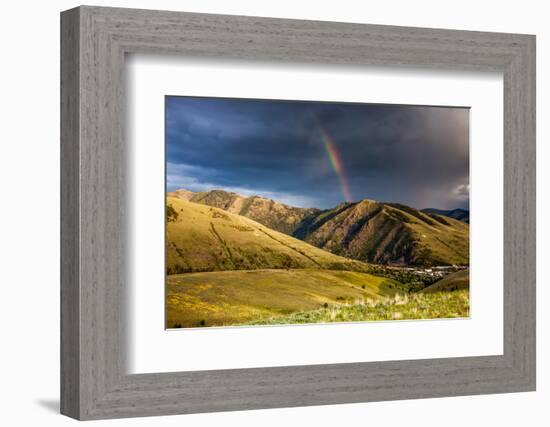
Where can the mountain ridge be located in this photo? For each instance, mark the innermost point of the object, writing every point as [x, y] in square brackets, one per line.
[272, 214]
[460, 214]
[366, 230]
[203, 238]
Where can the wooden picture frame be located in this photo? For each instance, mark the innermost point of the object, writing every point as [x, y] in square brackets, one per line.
[94, 382]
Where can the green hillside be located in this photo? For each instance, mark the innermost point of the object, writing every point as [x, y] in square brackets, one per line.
[438, 305]
[387, 233]
[237, 297]
[453, 282]
[226, 269]
[203, 238]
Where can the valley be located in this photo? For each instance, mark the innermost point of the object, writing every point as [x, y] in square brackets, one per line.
[234, 260]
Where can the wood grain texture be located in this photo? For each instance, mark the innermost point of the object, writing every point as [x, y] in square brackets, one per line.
[70, 297]
[94, 382]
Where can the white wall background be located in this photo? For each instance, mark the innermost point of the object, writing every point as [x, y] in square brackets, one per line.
[29, 224]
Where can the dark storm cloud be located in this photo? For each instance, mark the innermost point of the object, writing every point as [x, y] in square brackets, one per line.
[408, 154]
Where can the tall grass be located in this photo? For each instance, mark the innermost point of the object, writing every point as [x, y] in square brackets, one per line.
[398, 307]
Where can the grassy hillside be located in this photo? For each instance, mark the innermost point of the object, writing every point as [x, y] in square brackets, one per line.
[236, 297]
[272, 214]
[389, 234]
[399, 307]
[382, 233]
[238, 271]
[204, 238]
[453, 282]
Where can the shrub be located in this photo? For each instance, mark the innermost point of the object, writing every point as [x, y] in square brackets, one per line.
[171, 214]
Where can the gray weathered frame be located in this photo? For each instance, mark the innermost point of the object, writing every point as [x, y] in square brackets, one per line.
[94, 41]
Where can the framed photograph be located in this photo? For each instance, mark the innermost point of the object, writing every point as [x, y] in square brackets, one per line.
[261, 213]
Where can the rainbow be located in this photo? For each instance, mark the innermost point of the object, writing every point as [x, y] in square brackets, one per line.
[336, 163]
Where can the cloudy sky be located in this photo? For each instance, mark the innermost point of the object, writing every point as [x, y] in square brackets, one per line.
[315, 154]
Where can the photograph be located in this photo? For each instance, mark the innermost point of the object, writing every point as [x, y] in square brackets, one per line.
[288, 212]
